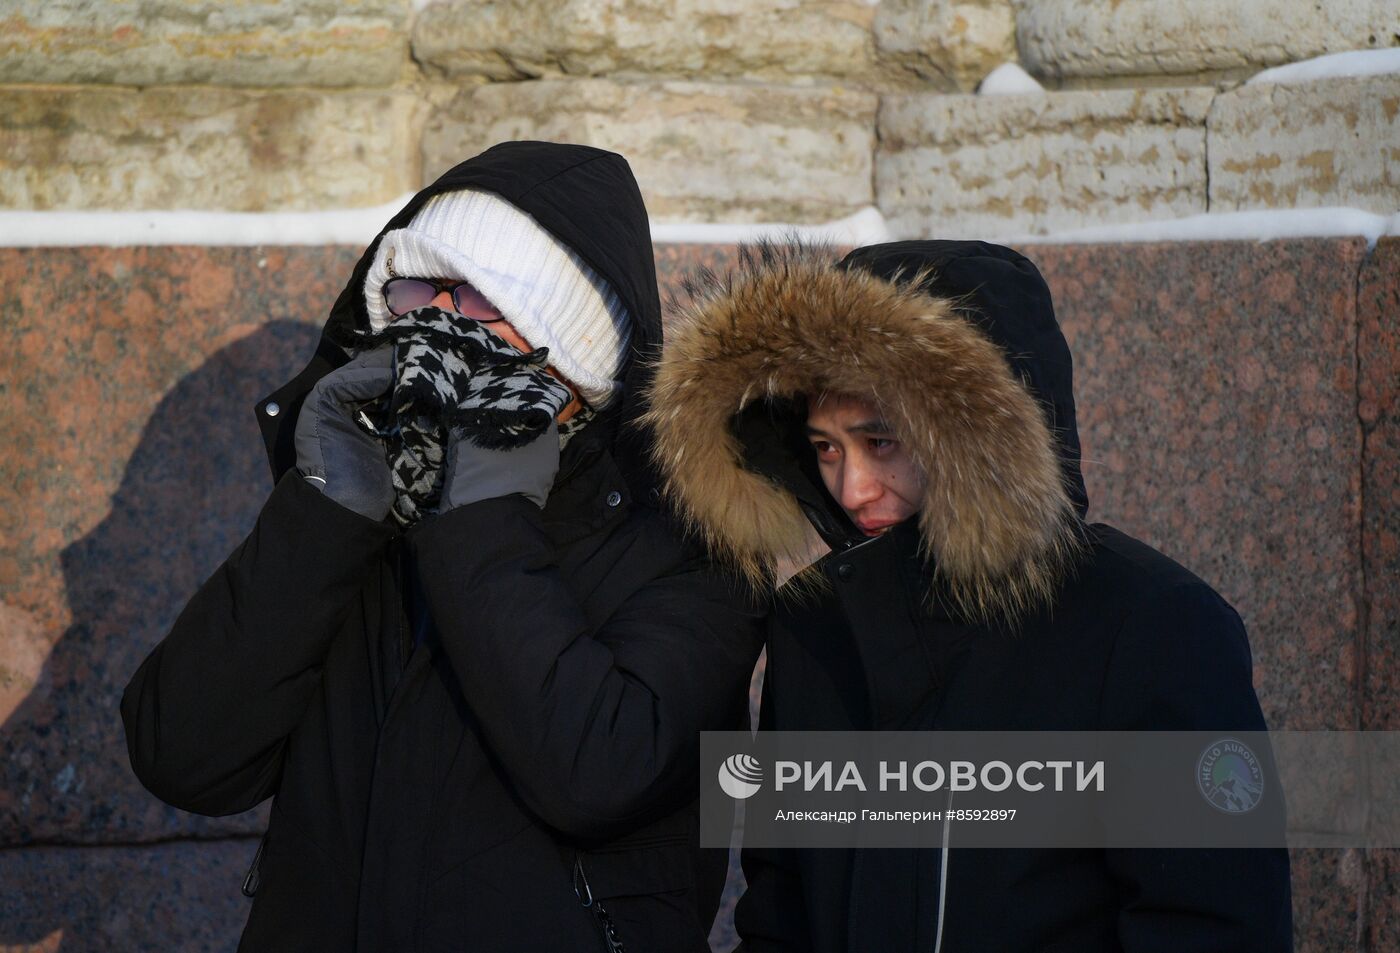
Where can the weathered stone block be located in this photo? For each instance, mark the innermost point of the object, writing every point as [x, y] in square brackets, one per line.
[201, 148]
[952, 43]
[1333, 142]
[690, 38]
[949, 43]
[1077, 40]
[701, 151]
[970, 165]
[297, 42]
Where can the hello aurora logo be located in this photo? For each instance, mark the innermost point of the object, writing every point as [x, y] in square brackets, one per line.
[740, 776]
[1230, 777]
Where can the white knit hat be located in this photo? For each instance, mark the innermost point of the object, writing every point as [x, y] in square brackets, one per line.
[542, 288]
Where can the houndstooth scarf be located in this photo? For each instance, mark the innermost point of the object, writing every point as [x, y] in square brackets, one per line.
[452, 373]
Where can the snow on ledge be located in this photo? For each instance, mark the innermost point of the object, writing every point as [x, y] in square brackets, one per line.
[1260, 226]
[866, 227]
[65, 229]
[356, 227]
[349, 227]
[1331, 66]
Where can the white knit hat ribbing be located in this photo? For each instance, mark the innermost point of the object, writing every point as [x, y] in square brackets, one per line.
[544, 290]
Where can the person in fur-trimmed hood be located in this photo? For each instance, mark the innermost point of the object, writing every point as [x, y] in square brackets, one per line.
[909, 411]
[463, 651]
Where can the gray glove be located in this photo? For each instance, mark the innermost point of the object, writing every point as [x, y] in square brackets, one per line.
[475, 473]
[333, 452]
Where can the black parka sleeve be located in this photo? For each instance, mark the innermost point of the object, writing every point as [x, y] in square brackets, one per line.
[771, 916]
[208, 712]
[1181, 662]
[597, 726]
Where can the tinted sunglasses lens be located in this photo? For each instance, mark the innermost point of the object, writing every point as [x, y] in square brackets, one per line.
[403, 295]
[474, 304]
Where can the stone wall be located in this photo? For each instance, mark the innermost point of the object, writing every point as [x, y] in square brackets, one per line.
[731, 110]
[1245, 421]
[1240, 399]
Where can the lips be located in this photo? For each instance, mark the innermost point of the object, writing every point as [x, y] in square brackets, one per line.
[874, 528]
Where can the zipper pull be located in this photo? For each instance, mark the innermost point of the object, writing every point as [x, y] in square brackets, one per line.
[585, 896]
[254, 876]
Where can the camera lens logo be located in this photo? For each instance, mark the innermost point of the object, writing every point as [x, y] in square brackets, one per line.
[740, 776]
[1230, 777]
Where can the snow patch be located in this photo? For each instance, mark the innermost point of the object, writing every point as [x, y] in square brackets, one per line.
[1260, 226]
[59, 228]
[1008, 79]
[1331, 66]
[866, 227]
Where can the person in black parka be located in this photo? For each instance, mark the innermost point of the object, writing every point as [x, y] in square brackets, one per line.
[470, 674]
[906, 416]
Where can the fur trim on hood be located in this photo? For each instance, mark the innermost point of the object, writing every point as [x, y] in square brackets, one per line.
[997, 520]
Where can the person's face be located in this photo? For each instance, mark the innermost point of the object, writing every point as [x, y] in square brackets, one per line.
[505, 332]
[864, 466]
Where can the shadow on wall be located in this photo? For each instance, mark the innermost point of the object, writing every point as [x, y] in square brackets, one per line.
[146, 876]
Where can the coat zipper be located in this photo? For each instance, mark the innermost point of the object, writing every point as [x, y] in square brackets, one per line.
[585, 896]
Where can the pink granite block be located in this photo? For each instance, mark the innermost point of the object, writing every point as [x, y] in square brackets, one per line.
[1329, 889]
[176, 898]
[674, 263]
[134, 468]
[1383, 901]
[1216, 392]
[1379, 410]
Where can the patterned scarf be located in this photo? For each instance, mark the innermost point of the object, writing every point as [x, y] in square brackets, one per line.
[451, 373]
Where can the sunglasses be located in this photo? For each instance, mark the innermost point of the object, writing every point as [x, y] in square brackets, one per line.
[403, 295]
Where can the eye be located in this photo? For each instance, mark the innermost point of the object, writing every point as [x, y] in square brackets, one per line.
[824, 448]
[881, 445]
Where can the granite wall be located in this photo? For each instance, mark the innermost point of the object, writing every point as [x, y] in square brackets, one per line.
[1239, 410]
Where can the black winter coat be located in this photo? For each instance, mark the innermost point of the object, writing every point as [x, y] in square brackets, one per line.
[1021, 617]
[454, 796]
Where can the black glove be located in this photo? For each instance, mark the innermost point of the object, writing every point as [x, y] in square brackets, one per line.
[334, 452]
[476, 473]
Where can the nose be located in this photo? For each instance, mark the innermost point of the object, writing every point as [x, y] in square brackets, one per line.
[860, 484]
[444, 301]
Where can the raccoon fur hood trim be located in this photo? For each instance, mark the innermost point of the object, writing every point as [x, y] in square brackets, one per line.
[950, 339]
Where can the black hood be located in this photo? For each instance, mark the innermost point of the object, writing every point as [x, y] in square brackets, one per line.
[955, 341]
[585, 197]
[1003, 293]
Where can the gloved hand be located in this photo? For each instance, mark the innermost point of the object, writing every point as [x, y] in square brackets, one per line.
[333, 452]
[476, 473]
